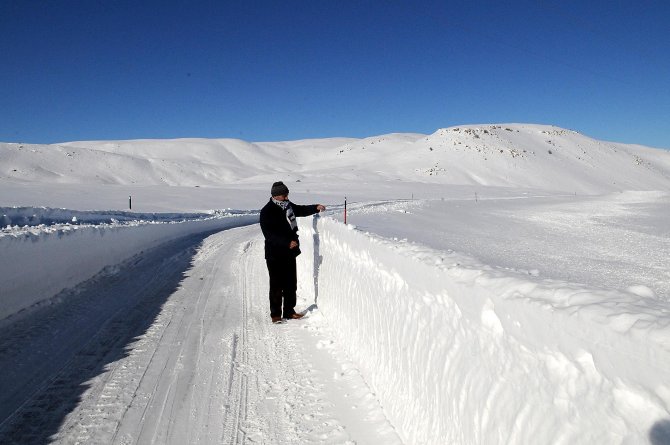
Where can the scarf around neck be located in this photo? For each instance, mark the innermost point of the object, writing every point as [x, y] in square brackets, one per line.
[290, 216]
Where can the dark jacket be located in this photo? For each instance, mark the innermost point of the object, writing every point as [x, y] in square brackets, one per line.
[277, 230]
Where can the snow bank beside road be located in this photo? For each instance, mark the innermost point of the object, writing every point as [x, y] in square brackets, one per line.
[458, 352]
[36, 216]
[38, 262]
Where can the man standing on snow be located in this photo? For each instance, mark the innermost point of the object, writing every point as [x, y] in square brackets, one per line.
[282, 247]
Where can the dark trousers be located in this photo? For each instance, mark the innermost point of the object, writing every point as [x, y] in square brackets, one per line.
[283, 284]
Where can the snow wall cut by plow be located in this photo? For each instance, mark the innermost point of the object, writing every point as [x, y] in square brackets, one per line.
[471, 355]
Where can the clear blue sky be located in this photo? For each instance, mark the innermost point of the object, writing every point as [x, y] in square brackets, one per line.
[281, 70]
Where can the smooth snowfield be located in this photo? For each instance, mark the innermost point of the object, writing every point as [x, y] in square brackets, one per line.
[495, 284]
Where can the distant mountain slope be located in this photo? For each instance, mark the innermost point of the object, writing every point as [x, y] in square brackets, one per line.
[514, 155]
[538, 156]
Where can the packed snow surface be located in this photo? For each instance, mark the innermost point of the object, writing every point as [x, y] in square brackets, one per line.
[493, 284]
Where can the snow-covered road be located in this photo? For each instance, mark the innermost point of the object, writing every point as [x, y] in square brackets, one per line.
[175, 346]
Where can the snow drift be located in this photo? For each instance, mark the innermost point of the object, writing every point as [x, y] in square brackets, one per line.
[461, 353]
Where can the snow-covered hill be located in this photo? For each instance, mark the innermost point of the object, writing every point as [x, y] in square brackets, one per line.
[514, 155]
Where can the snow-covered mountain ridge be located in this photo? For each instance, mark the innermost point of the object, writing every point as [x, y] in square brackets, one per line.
[508, 155]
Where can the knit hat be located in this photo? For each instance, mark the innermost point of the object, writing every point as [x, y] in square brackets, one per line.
[278, 188]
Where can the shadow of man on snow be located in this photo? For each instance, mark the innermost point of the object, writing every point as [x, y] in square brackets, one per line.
[317, 257]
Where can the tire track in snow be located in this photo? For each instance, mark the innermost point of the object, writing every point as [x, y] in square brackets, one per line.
[185, 370]
[240, 380]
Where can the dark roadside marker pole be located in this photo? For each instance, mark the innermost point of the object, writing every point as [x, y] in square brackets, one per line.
[345, 209]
